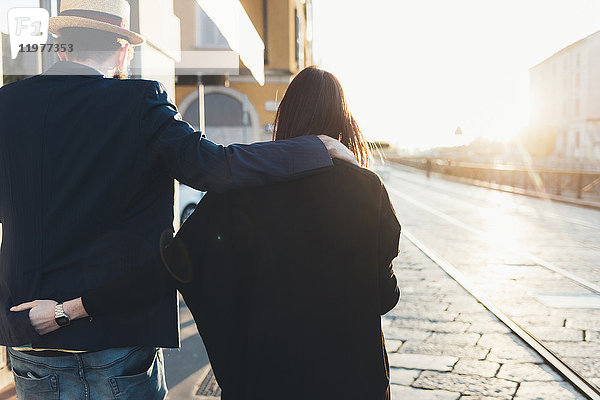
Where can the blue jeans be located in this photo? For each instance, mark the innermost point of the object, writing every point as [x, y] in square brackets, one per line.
[124, 374]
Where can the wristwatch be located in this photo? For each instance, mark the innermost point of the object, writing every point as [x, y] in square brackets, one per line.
[60, 317]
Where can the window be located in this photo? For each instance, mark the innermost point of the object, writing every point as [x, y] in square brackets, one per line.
[207, 33]
[299, 40]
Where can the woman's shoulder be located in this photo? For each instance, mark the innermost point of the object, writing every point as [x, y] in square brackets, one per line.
[356, 172]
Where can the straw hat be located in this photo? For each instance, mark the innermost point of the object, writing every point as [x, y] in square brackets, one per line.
[105, 15]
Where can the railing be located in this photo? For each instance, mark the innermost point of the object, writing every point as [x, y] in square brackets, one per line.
[580, 184]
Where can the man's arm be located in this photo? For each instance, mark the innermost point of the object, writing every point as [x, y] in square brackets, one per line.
[203, 165]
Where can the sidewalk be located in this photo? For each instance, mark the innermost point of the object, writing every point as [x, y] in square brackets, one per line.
[442, 344]
[8, 393]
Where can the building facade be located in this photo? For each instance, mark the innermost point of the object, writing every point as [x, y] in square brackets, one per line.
[237, 108]
[565, 98]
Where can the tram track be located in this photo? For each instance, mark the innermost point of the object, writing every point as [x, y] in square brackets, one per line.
[409, 177]
[507, 246]
[451, 215]
[584, 386]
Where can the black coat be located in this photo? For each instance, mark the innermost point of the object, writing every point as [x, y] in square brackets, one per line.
[286, 284]
[86, 191]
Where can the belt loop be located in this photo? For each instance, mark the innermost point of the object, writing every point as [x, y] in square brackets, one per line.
[114, 386]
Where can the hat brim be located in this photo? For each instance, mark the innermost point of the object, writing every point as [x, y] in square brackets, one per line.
[60, 22]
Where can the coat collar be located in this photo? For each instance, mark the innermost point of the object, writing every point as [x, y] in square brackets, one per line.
[64, 68]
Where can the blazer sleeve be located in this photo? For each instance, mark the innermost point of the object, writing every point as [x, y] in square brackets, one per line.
[204, 165]
[15, 327]
[132, 291]
[389, 241]
[167, 271]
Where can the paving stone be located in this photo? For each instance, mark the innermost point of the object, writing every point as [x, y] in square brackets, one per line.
[460, 339]
[484, 316]
[557, 334]
[409, 393]
[421, 305]
[401, 376]
[441, 316]
[575, 349]
[422, 361]
[546, 390]
[592, 336]
[527, 372]
[476, 367]
[415, 347]
[540, 320]
[392, 345]
[466, 384]
[523, 309]
[467, 307]
[583, 323]
[394, 332]
[426, 325]
[490, 340]
[488, 327]
[588, 367]
[468, 397]
[514, 353]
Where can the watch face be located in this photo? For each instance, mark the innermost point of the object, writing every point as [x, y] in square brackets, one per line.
[63, 321]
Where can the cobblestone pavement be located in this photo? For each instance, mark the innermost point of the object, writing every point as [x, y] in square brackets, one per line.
[442, 344]
[497, 239]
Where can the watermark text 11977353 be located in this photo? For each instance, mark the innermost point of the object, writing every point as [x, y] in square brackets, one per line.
[34, 48]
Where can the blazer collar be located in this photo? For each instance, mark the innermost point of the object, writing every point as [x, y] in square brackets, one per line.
[64, 68]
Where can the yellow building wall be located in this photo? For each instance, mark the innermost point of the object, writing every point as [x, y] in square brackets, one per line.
[258, 96]
[281, 29]
[186, 11]
[182, 91]
[281, 44]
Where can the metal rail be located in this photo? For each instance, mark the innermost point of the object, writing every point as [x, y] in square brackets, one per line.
[486, 239]
[540, 180]
[580, 383]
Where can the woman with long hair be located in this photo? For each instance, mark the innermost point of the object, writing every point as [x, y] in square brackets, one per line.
[286, 283]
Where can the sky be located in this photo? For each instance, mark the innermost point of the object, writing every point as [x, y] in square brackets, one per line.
[415, 70]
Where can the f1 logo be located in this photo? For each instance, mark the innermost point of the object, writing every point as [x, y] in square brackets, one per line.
[27, 26]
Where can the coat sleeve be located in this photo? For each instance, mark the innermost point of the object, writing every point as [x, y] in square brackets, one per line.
[197, 162]
[174, 267]
[389, 240]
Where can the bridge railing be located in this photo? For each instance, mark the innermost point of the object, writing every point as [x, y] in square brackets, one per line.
[580, 184]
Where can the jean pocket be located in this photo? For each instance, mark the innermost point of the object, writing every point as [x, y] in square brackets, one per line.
[33, 388]
[149, 384]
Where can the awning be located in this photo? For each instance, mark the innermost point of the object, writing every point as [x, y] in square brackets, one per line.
[237, 28]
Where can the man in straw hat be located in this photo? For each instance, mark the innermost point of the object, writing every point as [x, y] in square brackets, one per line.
[87, 164]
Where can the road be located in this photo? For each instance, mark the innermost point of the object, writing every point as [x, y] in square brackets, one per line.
[537, 261]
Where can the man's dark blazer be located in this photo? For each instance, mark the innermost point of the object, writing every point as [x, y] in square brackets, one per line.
[87, 168]
[286, 284]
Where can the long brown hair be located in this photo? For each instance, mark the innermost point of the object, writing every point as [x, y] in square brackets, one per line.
[314, 104]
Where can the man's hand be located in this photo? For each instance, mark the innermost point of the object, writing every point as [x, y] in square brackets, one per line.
[337, 150]
[41, 315]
